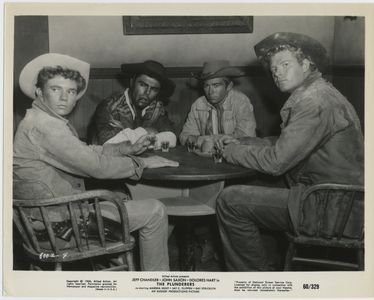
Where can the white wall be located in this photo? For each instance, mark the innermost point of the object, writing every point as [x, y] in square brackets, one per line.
[349, 41]
[100, 41]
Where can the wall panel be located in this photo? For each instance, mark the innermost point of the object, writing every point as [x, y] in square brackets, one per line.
[30, 41]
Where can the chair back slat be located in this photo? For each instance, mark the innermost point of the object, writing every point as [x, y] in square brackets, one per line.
[345, 216]
[331, 217]
[332, 211]
[84, 222]
[17, 222]
[29, 230]
[50, 232]
[124, 221]
[322, 209]
[100, 222]
[75, 227]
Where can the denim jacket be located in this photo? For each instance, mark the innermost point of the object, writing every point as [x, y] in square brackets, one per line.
[237, 117]
[49, 160]
[320, 142]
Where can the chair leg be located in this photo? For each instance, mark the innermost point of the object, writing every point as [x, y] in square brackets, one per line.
[35, 268]
[58, 267]
[360, 259]
[130, 260]
[289, 257]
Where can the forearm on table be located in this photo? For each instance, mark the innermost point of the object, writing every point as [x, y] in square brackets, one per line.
[112, 150]
[248, 140]
[306, 131]
[66, 152]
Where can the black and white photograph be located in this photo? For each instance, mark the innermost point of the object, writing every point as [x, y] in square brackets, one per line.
[186, 153]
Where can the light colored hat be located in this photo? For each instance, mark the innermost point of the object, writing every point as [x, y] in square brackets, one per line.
[29, 73]
[219, 68]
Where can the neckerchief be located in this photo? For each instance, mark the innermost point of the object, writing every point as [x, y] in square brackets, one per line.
[214, 122]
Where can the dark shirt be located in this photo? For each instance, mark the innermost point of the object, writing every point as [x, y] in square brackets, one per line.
[116, 113]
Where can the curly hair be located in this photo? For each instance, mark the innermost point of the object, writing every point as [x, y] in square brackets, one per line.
[298, 53]
[50, 72]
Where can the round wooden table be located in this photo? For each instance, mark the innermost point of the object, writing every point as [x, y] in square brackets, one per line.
[186, 191]
[190, 189]
[193, 167]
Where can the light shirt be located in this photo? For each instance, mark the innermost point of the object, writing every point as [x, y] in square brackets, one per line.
[237, 117]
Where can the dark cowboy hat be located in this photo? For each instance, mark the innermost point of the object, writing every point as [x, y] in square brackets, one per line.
[153, 69]
[218, 68]
[309, 46]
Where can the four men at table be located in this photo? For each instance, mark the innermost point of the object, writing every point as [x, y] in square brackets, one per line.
[320, 142]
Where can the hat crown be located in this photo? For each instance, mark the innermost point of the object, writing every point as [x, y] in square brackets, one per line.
[219, 68]
[30, 71]
[212, 67]
[155, 66]
[308, 45]
[153, 69]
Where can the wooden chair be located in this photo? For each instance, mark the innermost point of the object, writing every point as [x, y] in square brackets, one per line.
[331, 216]
[79, 236]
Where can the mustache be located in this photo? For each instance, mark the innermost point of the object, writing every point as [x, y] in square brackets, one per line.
[279, 80]
[146, 98]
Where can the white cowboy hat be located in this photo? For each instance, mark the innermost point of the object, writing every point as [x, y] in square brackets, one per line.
[29, 73]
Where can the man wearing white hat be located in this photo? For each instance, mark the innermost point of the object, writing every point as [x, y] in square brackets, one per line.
[222, 109]
[48, 152]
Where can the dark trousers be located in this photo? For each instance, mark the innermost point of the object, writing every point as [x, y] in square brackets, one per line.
[242, 211]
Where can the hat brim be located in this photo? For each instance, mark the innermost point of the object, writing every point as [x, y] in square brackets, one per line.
[29, 73]
[167, 85]
[230, 72]
[310, 47]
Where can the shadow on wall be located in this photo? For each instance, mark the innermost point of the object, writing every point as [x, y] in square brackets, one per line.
[267, 101]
